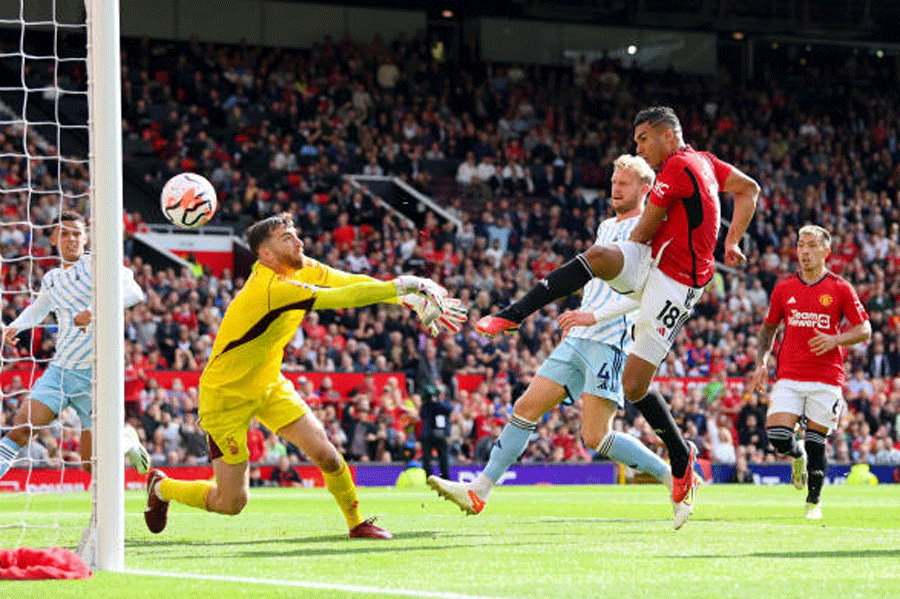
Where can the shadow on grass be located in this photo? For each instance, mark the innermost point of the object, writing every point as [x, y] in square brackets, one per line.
[553, 520]
[750, 518]
[864, 553]
[178, 542]
[840, 553]
[349, 549]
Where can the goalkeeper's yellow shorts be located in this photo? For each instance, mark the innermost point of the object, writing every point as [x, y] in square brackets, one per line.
[225, 415]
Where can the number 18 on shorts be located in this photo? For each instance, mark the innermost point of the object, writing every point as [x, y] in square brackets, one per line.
[665, 306]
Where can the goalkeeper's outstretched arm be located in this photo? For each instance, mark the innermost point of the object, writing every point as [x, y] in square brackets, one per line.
[370, 292]
[322, 275]
[450, 317]
[353, 296]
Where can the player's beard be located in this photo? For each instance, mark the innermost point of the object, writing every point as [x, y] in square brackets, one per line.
[294, 261]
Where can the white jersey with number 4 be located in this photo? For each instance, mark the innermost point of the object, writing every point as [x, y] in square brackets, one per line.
[615, 331]
[67, 292]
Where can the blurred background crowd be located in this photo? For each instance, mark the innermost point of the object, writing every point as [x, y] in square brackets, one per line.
[521, 155]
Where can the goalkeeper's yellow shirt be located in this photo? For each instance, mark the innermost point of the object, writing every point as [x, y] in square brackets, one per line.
[265, 314]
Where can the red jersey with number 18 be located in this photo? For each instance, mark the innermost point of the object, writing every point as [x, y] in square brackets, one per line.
[806, 309]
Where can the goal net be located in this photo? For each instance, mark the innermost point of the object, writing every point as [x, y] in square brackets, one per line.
[48, 124]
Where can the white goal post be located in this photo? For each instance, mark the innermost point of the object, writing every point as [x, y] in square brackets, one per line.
[105, 140]
[42, 120]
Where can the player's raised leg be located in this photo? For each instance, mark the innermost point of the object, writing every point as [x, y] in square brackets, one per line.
[308, 434]
[603, 261]
[542, 395]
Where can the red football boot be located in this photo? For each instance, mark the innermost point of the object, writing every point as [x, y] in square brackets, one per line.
[682, 486]
[367, 530]
[494, 325]
[156, 513]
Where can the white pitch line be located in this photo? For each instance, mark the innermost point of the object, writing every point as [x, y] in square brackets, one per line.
[721, 522]
[325, 586]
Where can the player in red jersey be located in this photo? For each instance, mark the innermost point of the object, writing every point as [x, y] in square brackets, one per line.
[812, 304]
[665, 264]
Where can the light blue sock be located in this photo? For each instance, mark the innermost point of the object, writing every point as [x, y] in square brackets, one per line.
[512, 442]
[9, 449]
[631, 452]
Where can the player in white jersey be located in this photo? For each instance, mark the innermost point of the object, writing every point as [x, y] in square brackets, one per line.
[586, 364]
[66, 291]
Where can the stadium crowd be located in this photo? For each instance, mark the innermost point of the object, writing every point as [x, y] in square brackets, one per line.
[529, 164]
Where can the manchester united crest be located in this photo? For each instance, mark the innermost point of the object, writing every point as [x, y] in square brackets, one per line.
[825, 299]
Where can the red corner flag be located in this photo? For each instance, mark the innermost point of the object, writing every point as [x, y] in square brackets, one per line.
[39, 564]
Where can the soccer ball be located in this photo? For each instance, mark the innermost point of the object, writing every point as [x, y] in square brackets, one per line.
[188, 200]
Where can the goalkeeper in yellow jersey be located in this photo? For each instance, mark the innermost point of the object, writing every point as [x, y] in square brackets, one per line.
[243, 378]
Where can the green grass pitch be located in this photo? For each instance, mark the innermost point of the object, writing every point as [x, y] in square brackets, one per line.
[530, 543]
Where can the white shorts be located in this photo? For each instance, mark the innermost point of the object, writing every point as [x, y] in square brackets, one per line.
[637, 260]
[666, 305]
[818, 402]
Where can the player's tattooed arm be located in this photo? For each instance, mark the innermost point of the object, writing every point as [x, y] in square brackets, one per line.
[764, 341]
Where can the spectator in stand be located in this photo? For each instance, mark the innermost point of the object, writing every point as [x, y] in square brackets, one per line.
[741, 473]
[721, 445]
[193, 440]
[484, 445]
[360, 429]
[467, 171]
[167, 334]
[284, 474]
[435, 416]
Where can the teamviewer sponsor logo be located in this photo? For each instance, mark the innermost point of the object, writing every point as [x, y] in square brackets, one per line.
[809, 319]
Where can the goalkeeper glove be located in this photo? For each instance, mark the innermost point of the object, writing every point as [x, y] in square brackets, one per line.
[427, 289]
[420, 286]
[433, 320]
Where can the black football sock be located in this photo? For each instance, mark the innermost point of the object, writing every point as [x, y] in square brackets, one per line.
[782, 439]
[563, 281]
[815, 465]
[655, 411]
